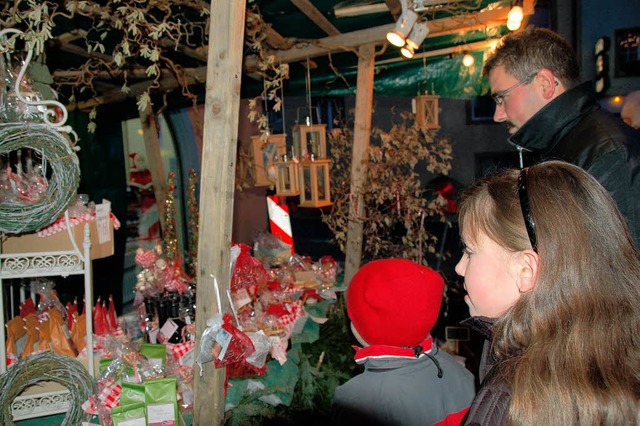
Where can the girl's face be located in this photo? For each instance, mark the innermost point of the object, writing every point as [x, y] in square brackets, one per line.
[490, 277]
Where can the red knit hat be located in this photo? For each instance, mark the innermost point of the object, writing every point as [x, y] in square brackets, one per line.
[394, 302]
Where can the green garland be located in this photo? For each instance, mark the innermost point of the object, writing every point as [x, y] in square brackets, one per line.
[192, 224]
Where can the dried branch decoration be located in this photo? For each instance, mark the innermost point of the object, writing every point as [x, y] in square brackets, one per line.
[256, 33]
[396, 204]
[125, 41]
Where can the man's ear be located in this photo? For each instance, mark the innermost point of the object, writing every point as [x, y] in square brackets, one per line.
[528, 270]
[549, 84]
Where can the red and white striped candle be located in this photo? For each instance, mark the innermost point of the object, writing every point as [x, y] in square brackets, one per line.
[280, 221]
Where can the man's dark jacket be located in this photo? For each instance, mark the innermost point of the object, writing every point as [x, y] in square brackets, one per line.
[574, 128]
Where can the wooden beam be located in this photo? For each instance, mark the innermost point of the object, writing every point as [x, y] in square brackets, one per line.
[394, 8]
[83, 52]
[325, 46]
[199, 54]
[359, 10]
[378, 35]
[361, 135]
[218, 167]
[274, 39]
[168, 82]
[478, 45]
[316, 16]
[71, 36]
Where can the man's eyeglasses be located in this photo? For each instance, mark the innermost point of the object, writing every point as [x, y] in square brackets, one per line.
[498, 97]
[526, 210]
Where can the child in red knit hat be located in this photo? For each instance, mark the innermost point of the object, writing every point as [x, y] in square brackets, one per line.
[393, 304]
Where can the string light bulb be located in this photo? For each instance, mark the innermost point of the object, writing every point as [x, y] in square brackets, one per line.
[513, 25]
[468, 59]
[515, 16]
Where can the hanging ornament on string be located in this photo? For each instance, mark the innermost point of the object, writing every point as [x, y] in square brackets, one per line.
[310, 139]
[13, 109]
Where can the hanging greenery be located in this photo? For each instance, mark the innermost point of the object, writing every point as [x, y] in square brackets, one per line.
[396, 203]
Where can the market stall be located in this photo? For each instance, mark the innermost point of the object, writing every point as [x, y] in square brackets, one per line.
[211, 393]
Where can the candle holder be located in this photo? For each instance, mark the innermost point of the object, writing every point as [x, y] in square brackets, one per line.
[315, 190]
[287, 177]
[265, 153]
[310, 140]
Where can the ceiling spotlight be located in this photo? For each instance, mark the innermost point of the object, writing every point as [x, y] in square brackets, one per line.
[468, 59]
[407, 52]
[415, 39]
[403, 26]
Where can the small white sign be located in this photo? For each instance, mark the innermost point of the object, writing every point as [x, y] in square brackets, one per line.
[161, 415]
[141, 421]
[103, 213]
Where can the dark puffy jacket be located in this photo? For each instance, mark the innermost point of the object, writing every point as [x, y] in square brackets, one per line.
[491, 404]
[574, 128]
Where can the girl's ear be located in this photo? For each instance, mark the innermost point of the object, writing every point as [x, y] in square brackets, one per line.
[528, 270]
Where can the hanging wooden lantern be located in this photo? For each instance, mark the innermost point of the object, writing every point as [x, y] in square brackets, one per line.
[265, 152]
[315, 188]
[426, 107]
[310, 139]
[287, 178]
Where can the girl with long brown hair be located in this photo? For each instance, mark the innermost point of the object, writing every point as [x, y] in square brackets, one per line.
[553, 281]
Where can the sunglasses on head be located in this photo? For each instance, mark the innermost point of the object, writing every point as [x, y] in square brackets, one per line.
[526, 211]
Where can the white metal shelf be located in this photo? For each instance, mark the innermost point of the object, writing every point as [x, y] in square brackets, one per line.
[48, 264]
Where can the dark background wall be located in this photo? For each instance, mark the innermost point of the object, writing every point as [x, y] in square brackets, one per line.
[596, 19]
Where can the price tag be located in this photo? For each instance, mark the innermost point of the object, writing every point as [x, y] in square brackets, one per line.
[103, 213]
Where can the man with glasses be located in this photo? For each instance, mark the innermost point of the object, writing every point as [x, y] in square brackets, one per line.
[534, 80]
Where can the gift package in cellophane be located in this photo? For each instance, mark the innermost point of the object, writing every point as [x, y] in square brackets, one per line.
[142, 383]
[148, 357]
[47, 325]
[272, 302]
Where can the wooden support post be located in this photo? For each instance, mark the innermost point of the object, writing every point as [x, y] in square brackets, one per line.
[154, 159]
[361, 135]
[220, 140]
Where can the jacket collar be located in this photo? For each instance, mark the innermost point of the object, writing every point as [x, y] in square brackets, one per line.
[549, 125]
[481, 325]
[384, 351]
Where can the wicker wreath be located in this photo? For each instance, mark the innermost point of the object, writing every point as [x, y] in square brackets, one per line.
[62, 185]
[47, 366]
